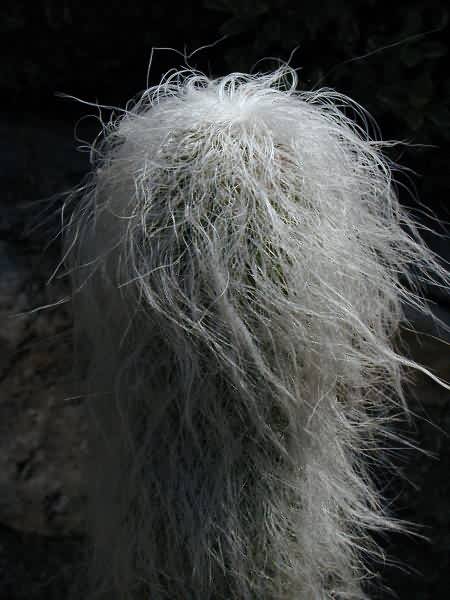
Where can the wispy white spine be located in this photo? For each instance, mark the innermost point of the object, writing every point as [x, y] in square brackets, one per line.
[239, 260]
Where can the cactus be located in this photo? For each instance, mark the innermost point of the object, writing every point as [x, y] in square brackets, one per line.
[239, 261]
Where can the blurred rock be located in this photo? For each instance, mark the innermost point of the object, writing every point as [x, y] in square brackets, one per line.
[41, 430]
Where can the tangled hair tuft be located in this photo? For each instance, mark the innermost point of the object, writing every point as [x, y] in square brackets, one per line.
[240, 266]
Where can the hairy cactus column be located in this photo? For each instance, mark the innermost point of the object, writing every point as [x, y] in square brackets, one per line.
[239, 260]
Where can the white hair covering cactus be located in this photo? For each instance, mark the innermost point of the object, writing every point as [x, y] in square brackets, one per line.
[238, 260]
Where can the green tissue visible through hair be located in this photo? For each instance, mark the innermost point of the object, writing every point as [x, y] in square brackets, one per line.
[240, 265]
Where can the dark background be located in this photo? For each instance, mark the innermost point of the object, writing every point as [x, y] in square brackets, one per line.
[391, 57]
